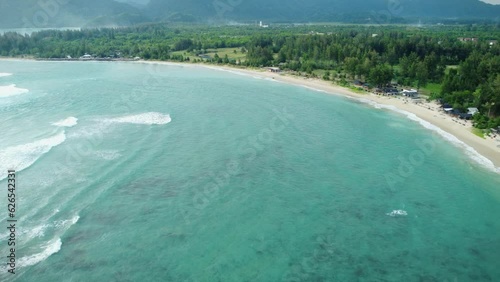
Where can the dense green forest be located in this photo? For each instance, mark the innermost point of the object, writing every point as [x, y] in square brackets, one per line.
[463, 74]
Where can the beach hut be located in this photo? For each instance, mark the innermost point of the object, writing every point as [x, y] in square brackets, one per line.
[409, 93]
[274, 69]
[472, 111]
[86, 57]
[465, 116]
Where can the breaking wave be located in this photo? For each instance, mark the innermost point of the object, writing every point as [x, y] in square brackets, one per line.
[11, 90]
[145, 118]
[23, 156]
[3, 74]
[49, 249]
[69, 122]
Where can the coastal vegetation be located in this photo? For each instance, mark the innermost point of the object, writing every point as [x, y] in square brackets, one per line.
[459, 65]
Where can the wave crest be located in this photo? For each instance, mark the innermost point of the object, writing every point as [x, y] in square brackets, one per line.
[11, 90]
[68, 122]
[397, 213]
[3, 74]
[23, 156]
[51, 248]
[151, 118]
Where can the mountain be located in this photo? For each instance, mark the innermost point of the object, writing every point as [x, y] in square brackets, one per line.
[450, 9]
[32, 13]
[67, 13]
[271, 10]
[322, 10]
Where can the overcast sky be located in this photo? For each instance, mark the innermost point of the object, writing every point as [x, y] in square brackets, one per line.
[497, 2]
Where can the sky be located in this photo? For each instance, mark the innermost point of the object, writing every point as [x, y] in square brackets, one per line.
[496, 2]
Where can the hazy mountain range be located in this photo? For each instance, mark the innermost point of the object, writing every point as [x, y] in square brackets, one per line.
[58, 13]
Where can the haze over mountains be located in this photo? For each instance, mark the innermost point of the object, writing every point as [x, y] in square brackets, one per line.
[66, 13]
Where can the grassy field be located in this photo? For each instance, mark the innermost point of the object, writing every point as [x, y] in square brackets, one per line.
[232, 53]
[431, 88]
[478, 132]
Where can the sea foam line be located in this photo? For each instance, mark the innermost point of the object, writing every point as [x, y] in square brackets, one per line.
[150, 118]
[23, 156]
[11, 90]
[49, 249]
[52, 246]
[68, 122]
[3, 74]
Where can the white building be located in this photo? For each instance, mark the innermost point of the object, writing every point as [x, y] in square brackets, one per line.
[86, 57]
[472, 111]
[410, 93]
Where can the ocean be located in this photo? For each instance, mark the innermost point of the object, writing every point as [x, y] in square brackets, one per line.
[144, 172]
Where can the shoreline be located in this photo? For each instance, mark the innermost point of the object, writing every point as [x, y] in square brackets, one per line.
[488, 148]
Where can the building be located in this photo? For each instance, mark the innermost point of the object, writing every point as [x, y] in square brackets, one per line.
[468, 39]
[86, 57]
[410, 93]
[274, 69]
[389, 91]
[472, 111]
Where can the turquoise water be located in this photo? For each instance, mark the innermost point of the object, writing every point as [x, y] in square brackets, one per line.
[135, 172]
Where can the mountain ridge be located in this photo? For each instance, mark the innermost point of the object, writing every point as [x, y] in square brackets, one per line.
[64, 13]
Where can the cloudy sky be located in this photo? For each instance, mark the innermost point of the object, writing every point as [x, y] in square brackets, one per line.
[497, 2]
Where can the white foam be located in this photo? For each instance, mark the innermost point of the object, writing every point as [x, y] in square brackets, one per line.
[68, 122]
[22, 156]
[145, 118]
[108, 155]
[3, 74]
[65, 224]
[11, 90]
[36, 232]
[397, 213]
[51, 248]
